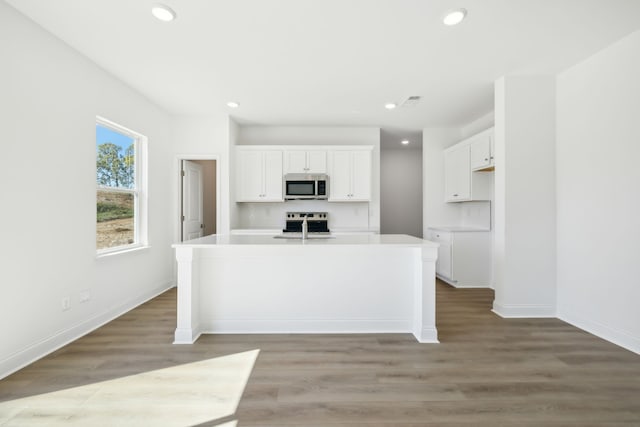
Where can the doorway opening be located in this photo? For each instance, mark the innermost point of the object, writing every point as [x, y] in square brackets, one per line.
[198, 198]
[401, 182]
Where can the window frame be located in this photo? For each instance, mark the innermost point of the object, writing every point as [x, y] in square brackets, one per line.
[140, 214]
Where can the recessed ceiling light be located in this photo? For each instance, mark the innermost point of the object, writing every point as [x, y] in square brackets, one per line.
[454, 17]
[163, 12]
[390, 106]
[405, 142]
[232, 104]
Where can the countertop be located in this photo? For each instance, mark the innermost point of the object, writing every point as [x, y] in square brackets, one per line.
[273, 231]
[336, 240]
[455, 228]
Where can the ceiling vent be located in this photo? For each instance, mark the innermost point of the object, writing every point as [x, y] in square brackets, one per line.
[410, 102]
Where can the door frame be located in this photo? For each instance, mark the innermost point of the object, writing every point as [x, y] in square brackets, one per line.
[177, 233]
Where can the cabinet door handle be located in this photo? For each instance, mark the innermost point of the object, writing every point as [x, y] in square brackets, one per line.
[455, 195]
[486, 160]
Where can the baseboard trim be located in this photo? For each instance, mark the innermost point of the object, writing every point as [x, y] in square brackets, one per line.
[186, 336]
[446, 280]
[36, 351]
[427, 336]
[472, 286]
[304, 326]
[523, 310]
[616, 336]
[459, 285]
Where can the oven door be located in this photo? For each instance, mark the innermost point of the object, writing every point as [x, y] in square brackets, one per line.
[299, 189]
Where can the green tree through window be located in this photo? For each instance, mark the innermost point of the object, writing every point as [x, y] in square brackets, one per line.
[115, 169]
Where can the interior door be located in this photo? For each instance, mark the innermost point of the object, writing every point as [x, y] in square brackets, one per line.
[192, 205]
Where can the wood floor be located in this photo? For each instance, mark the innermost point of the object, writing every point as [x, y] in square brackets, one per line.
[487, 371]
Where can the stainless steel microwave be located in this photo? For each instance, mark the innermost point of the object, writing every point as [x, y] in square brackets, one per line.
[302, 186]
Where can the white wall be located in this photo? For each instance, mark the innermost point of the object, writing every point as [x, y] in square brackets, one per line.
[598, 189]
[355, 216]
[50, 98]
[478, 125]
[401, 190]
[525, 200]
[308, 135]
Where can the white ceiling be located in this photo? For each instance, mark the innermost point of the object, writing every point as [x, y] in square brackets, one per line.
[332, 62]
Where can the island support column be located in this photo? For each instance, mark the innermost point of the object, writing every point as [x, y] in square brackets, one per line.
[424, 321]
[187, 330]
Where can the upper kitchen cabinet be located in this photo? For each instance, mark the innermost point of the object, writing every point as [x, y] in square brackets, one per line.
[350, 175]
[461, 183]
[457, 180]
[305, 161]
[259, 175]
[482, 151]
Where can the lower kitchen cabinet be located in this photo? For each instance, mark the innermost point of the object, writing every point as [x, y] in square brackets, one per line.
[464, 256]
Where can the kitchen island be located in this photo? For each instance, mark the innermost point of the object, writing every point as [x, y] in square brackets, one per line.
[342, 284]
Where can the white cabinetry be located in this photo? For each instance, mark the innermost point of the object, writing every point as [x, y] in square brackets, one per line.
[461, 183]
[350, 175]
[305, 161]
[482, 151]
[443, 263]
[464, 257]
[457, 181]
[259, 175]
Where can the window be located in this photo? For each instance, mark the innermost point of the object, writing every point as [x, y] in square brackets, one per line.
[120, 192]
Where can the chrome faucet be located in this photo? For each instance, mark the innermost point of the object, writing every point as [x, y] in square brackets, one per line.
[305, 229]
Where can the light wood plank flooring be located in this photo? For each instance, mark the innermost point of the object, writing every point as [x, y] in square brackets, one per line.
[487, 371]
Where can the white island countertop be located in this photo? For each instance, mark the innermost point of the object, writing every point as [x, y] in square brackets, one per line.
[348, 283]
[335, 240]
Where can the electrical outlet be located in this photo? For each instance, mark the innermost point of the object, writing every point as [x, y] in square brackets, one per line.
[66, 303]
[85, 296]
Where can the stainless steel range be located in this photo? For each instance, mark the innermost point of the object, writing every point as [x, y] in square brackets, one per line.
[317, 222]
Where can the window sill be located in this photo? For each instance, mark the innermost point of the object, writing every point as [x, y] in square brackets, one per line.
[121, 251]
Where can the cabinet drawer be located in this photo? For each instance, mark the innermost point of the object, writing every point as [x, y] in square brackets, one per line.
[443, 237]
